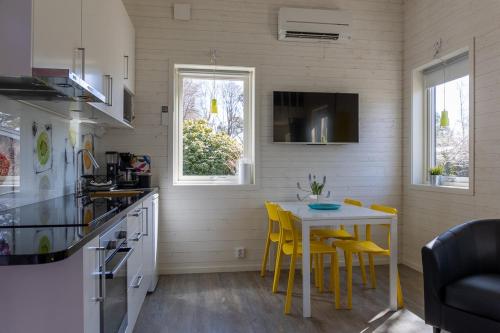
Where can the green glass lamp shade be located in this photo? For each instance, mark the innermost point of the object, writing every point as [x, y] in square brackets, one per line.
[445, 120]
[213, 106]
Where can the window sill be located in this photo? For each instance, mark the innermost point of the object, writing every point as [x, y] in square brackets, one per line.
[443, 189]
[205, 184]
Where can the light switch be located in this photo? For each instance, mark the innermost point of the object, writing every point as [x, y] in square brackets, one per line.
[182, 11]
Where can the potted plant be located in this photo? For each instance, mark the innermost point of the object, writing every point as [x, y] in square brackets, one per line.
[316, 188]
[435, 175]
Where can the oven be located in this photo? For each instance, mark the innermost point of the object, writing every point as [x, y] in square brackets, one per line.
[113, 278]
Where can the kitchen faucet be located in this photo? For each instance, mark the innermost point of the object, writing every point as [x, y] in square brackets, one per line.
[78, 182]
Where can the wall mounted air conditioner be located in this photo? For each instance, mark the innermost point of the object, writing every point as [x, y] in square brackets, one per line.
[313, 24]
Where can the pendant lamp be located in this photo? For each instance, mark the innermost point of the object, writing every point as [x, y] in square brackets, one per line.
[213, 103]
[445, 120]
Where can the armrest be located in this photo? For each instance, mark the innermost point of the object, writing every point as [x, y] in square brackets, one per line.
[446, 259]
[432, 286]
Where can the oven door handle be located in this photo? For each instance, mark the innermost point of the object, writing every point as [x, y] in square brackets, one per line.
[111, 274]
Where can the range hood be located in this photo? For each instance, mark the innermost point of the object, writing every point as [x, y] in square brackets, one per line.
[58, 85]
[56, 88]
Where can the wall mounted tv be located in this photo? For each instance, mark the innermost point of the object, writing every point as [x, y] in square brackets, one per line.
[315, 118]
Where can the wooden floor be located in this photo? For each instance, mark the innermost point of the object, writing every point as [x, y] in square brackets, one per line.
[243, 302]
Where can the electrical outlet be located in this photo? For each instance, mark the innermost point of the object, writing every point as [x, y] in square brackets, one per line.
[240, 252]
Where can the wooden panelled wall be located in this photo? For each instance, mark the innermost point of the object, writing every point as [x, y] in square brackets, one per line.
[201, 226]
[427, 214]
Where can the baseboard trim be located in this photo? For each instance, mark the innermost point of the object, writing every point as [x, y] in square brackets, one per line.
[209, 269]
[412, 265]
[195, 269]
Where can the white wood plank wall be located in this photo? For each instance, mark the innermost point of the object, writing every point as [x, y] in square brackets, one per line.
[427, 214]
[200, 227]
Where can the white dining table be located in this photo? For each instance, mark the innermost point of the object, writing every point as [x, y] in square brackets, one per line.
[347, 215]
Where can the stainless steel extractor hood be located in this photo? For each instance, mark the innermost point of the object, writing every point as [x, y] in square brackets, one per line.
[49, 85]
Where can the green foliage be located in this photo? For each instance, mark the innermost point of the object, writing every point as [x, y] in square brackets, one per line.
[208, 153]
[316, 187]
[437, 170]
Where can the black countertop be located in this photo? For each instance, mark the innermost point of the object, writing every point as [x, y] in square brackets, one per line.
[53, 230]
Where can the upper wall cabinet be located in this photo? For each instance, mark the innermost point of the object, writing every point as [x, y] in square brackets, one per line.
[56, 33]
[121, 56]
[94, 39]
[129, 55]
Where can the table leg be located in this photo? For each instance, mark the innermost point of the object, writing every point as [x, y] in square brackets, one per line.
[393, 267]
[306, 268]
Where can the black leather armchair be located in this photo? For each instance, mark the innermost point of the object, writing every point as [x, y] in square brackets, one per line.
[462, 278]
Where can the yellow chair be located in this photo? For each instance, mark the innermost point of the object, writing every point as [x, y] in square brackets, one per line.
[342, 234]
[293, 249]
[272, 236]
[372, 249]
[273, 219]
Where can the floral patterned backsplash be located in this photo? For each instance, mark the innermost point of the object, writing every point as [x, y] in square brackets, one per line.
[37, 154]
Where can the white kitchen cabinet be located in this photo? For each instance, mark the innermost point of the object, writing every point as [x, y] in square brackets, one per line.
[91, 291]
[150, 207]
[154, 221]
[121, 56]
[148, 240]
[136, 278]
[129, 55]
[52, 297]
[56, 33]
[96, 37]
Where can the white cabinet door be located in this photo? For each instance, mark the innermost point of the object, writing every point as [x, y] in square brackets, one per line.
[148, 261]
[121, 30]
[91, 287]
[96, 36]
[154, 239]
[135, 272]
[56, 33]
[129, 55]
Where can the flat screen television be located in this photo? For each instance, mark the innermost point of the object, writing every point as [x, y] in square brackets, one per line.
[315, 118]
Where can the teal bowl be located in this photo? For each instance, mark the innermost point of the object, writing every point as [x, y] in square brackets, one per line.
[324, 206]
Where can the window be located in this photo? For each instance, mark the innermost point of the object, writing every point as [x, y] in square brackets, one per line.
[10, 153]
[441, 123]
[213, 133]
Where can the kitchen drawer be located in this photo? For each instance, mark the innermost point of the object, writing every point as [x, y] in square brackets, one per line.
[134, 221]
[135, 297]
[134, 263]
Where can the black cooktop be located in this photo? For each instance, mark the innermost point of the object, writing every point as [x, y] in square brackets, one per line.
[54, 229]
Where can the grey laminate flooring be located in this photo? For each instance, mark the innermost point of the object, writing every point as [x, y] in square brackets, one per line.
[243, 302]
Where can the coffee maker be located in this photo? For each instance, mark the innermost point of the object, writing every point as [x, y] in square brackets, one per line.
[112, 164]
[126, 175]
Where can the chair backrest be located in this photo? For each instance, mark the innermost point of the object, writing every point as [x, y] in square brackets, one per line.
[272, 211]
[385, 209]
[286, 221]
[353, 202]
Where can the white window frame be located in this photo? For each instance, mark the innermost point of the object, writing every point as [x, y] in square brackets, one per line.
[421, 124]
[246, 74]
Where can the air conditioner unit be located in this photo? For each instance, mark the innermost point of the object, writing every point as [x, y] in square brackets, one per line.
[313, 24]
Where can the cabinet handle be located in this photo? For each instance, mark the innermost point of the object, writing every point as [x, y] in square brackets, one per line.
[139, 281]
[125, 75]
[147, 221]
[137, 237]
[109, 89]
[82, 52]
[100, 273]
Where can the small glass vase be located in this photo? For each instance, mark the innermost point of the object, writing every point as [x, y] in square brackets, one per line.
[435, 180]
